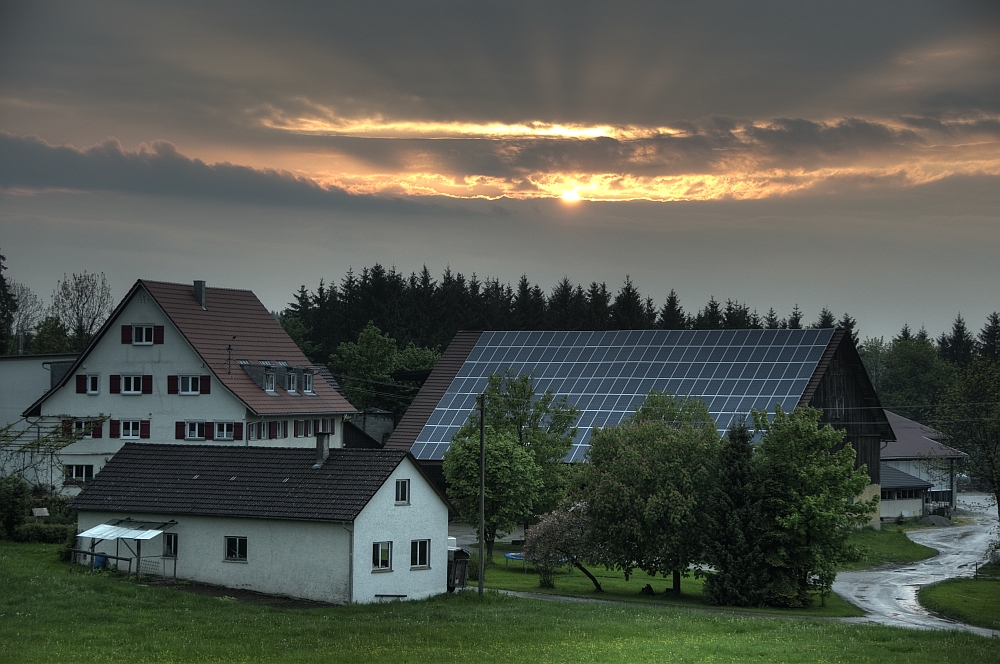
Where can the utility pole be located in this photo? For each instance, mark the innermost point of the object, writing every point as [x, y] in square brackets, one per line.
[482, 490]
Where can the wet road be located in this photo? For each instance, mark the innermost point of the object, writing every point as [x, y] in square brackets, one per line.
[889, 595]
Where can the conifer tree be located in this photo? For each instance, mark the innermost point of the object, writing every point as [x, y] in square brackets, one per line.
[989, 339]
[794, 321]
[958, 347]
[826, 320]
[672, 316]
[848, 323]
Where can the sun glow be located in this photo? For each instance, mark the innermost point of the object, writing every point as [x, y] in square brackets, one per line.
[571, 196]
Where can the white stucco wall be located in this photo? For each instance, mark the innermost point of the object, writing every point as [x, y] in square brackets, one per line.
[891, 509]
[426, 517]
[305, 559]
[934, 471]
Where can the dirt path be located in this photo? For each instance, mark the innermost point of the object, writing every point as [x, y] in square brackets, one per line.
[889, 595]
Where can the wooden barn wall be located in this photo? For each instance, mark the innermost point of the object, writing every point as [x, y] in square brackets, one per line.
[846, 405]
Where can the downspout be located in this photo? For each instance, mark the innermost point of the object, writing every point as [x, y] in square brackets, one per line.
[350, 563]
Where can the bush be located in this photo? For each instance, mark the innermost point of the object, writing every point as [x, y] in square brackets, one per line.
[44, 533]
[70, 543]
[472, 571]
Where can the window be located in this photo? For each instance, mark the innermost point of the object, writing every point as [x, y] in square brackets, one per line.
[382, 556]
[307, 382]
[131, 384]
[93, 383]
[269, 381]
[402, 492]
[130, 428]
[79, 473]
[236, 549]
[169, 545]
[224, 430]
[253, 430]
[142, 335]
[290, 381]
[195, 431]
[81, 429]
[189, 384]
[420, 553]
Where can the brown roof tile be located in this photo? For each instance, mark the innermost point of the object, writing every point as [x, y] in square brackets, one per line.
[914, 441]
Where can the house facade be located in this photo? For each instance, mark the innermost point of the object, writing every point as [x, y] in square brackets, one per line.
[191, 365]
[903, 495]
[357, 526]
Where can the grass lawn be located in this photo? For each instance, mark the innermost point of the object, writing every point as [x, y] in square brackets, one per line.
[49, 613]
[889, 545]
[972, 601]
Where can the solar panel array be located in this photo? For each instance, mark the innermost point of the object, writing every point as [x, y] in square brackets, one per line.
[606, 374]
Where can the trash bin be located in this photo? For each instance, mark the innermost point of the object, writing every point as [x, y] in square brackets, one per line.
[458, 566]
[100, 562]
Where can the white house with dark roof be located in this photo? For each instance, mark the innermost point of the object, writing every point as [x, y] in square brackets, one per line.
[916, 453]
[339, 526]
[188, 364]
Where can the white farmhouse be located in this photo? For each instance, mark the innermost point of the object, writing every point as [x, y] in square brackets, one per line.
[338, 526]
[188, 364]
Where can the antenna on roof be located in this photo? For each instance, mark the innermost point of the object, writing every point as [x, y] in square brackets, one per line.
[229, 358]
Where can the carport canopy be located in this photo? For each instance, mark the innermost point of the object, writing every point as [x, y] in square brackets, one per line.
[128, 529]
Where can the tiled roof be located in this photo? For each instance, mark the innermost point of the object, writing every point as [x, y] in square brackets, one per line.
[897, 479]
[914, 441]
[250, 482]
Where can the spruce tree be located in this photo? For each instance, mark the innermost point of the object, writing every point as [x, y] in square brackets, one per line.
[958, 347]
[740, 577]
[826, 320]
[672, 316]
[794, 321]
[989, 339]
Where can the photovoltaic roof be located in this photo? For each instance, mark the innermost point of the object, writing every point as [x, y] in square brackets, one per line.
[606, 374]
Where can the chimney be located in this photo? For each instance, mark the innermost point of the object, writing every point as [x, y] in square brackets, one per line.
[322, 448]
[199, 293]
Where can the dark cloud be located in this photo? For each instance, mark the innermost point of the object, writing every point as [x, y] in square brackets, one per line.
[31, 163]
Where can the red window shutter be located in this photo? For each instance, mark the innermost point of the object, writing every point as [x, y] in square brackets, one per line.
[143, 428]
[114, 429]
[157, 334]
[147, 384]
[126, 334]
[284, 428]
[297, 432]
[209, 430]
[98, 430]
[172, 385]
[81, 383]
[205, 384]
[116, 384]
[67, 427]
[333, 425]
[315, 426]
[238, 431]
[180, 428]
[272, 429]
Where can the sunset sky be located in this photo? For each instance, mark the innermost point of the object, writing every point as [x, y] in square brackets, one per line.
[826, 154]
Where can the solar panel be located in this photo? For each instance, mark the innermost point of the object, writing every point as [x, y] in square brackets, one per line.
[606, 374]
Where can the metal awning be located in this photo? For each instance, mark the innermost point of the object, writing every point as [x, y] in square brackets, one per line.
[128, 529]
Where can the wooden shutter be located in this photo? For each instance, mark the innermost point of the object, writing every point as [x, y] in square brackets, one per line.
[180, 429]
[81, 383]
[284, 428]
[126, 334]
[147, 384]
[114, 429]
[272, 429]
[67, 428]
[333, 425]
[115, 386]
[297, 430]
[97, 429]
[238, 431]
[209, 430]
[143, 428]
[205, 384]
[157, 334]
[315, 426]
[172, 385]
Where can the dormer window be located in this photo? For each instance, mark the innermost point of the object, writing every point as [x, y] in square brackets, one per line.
[307, 382]
[291, 380]
[269, 381]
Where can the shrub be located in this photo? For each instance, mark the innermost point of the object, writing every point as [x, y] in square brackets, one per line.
[44, 533]
[15, 497]
[70, 543]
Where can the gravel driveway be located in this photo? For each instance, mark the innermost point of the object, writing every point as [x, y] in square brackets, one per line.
[889, 594]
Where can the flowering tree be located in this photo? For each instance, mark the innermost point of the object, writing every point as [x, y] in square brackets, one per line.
[560, 537]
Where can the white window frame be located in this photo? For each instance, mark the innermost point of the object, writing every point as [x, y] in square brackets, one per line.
[93, 383]
[291, 380]
[142, 335]
[194, 430]
[235, 540]
[225, 430]
[382, 556]
[418, 547]
[403, 492]
[307, 382]
[80, 473]
[169, 545]
[193, 386]
[134, 382]
[133, 428]
[81, 426]
[269, 377]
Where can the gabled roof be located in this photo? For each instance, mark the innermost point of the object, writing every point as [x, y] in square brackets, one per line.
[231, 318]
[897, 479]
[607, 373]
[915, 441]
[249, 482]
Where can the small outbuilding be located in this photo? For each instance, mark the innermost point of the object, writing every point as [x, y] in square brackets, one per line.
[903, 494]
[337, 526]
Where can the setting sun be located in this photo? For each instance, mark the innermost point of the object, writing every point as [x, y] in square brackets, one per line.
[571, 196]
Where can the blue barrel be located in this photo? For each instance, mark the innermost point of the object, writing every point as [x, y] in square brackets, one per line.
[100, 562]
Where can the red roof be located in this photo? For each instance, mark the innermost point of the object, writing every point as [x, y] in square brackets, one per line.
[914, 441]
[237, 318]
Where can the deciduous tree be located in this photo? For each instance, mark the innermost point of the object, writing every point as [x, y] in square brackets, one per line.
[82, 302]
[563, 536]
